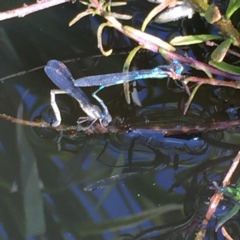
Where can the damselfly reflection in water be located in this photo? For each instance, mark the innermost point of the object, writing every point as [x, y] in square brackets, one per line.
[139, 148]
[113, 180]
[136, 163]
[160, 162]
[62, 77]
[163, 148]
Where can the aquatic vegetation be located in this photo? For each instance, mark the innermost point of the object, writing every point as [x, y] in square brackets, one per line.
[155, 44]
[234, 194]
[152, 162]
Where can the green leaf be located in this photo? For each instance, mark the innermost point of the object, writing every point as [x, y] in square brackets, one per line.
[219, 53]
[192, 39]
[226, 67]
[233, 6]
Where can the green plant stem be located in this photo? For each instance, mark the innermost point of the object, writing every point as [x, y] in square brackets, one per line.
[225, 26]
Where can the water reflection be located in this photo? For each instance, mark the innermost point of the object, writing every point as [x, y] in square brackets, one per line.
[139, 147]
[195, 205]
[161, 188]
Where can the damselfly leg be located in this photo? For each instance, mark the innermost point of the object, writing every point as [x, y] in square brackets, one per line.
[62, 77]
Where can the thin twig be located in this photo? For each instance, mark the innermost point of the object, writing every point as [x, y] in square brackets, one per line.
[229, 51]
[197, 64]
[167, 129]
[21, 73]
[41, 124]
[82, 56]
[28, 9]
[212, 81]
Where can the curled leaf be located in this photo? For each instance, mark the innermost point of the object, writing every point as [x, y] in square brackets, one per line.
[126, 67]
[99, 37]
[187, 105]
[153, 13]
[81, 15]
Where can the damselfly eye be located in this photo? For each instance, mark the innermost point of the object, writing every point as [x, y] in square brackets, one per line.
[105, 122]
[106, 119]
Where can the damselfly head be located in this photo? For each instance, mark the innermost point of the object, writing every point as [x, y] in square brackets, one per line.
[107, 118]
[178, 67]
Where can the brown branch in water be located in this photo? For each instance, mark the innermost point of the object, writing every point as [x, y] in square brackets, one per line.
[213, 82]
[25, 122]
[28, 9]
[167, 129]
[225, 234]
[216, 198]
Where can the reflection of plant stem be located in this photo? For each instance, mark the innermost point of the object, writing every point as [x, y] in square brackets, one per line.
[167, 129]
[210, 81]
[169, 228]
[215, 199]
[191, 98]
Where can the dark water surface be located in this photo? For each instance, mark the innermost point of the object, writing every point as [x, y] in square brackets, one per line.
[146, 185]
